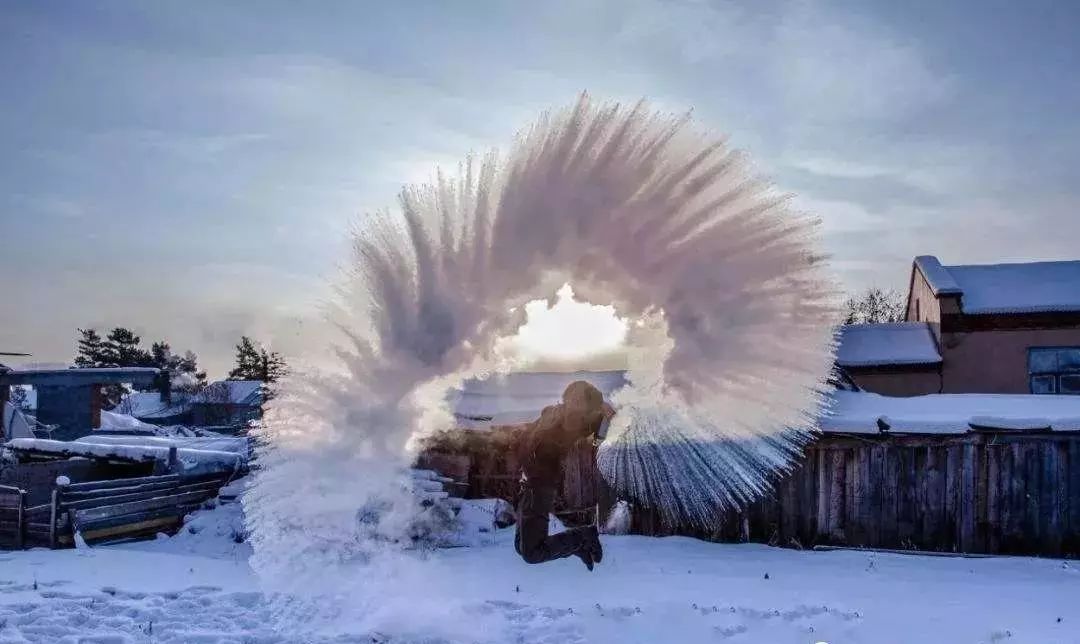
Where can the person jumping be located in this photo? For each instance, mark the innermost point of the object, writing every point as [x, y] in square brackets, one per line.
[543, 446]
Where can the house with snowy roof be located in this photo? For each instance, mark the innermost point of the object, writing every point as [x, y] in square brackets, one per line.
[996, 328]
[228, 403]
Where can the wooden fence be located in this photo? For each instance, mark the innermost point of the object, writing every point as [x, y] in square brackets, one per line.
[104, 510]
[979, 492]
[12, 517]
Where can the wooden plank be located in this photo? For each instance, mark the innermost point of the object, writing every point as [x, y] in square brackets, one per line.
[905, 508]
[890, 521]
[102, 485]
[951, 521]
[1016, 499]
[1033, 484]
[126, 486]
[859, 514]
[837, 490]
[134, 517]
[967, 499]
[824, 479]
[993, 498]
[875, 502]
[126, 529]
[54, 515]
[210, 488]
[20, 537]
[934, 500]
[1074, 498]
[789, 504]
[1049, 501]
[113, 491]
[838, 496]
[809, 500]
[979, 543]
[187, 498]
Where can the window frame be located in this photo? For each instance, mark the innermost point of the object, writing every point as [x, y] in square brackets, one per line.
[1055, 374]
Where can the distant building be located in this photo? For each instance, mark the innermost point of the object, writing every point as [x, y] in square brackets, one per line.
[69, 400]
[999, 328]
[228, 403]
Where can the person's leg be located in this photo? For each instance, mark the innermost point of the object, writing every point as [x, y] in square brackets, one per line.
[533, 542]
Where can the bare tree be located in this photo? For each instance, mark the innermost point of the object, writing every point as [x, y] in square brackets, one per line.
[875, 306]
[127, 405]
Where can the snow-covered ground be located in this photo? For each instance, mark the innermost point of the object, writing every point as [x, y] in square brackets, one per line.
[198, 587]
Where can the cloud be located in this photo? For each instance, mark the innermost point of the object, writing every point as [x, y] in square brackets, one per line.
[834, 68]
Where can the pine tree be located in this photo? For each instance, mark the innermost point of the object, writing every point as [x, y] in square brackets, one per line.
[91, 351]
[254, 362]
[190, 364]
[271, 366]
[123, 349]
[248, 361]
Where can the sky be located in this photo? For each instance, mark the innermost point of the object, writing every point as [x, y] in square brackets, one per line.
[191, 170]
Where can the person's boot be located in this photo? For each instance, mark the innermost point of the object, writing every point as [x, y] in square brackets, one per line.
[592, 545]
[586, 556]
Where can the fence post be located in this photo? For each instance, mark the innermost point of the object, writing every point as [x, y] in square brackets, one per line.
[20, 530]
[174, 462]
[54, 514]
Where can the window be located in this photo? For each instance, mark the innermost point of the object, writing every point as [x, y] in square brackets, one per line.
[1054, 370]
[918, 313]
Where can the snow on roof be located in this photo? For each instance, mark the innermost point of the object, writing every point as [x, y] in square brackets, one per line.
[234, 444]
[899, 343]
[240, 392]
[858, 412]
[113, 421]
[1036, 287]
[1033, 287]
[192, 460]
[941, 282]
[511, 398]
[148, 404]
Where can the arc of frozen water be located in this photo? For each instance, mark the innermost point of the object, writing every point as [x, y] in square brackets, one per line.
[634, 208]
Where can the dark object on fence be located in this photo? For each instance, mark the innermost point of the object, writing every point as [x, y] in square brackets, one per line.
[993, 491]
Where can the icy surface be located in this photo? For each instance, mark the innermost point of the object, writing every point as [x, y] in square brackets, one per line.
[859, 411]
[899, 343]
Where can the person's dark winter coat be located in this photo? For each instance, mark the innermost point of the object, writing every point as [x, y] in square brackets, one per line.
[543, 446]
